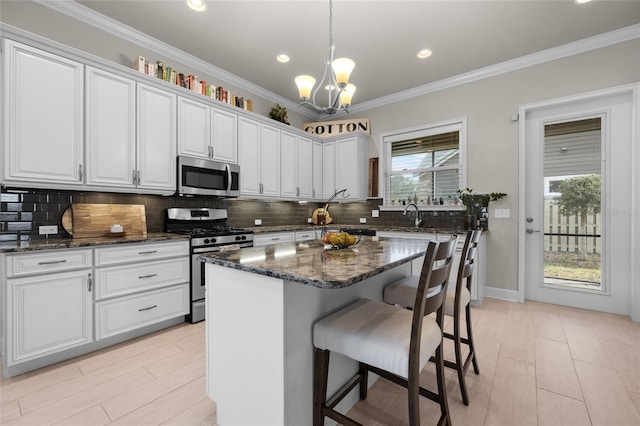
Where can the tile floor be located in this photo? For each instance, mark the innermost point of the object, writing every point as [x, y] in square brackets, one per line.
[540, 364]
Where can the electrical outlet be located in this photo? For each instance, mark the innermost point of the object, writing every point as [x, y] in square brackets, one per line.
[363, 220]
[375, 213]
[502, 213]
[258, 222]
[309, 220]
[46, 230]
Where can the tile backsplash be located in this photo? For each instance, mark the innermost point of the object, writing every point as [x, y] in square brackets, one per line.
[23, 211]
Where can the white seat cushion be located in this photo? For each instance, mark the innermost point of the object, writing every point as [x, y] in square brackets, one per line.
[403, 293]
[377, 334]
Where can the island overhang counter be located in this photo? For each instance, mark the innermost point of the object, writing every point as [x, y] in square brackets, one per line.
[261, 305]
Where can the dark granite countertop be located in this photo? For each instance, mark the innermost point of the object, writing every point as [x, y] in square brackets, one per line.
[304, 227]
[65, 243]
[308, 262]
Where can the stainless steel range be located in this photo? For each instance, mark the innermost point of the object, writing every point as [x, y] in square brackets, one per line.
[209, 232]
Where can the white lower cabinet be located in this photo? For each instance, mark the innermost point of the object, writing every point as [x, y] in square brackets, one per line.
[56, 304]
[140, 284]
[260, 240]
[305, 235]
[127, 313]
[47, 314]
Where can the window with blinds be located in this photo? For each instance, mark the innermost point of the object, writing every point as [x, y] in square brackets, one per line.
[424, 169]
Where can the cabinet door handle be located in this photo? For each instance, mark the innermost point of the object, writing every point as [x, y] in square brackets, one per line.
[147, 309]
[148, 252]
[138, 177]
[90, 283]
[297, 191]
[80, 175]
[260, 190]
[313, 193]
[148, 276]
[51, 262]
[133, 177]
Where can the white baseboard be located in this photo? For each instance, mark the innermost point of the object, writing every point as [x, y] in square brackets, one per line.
[501, 293]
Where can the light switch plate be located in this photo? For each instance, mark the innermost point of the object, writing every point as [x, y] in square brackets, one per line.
[258, 222]
[375, 213]
[502, 213]
[363, 220]
[309, 220]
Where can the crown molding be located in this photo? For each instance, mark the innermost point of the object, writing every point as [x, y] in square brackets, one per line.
[84, 14]
[118, 29]
[610, 38]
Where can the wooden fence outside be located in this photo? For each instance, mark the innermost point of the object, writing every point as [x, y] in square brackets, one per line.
[563, 233]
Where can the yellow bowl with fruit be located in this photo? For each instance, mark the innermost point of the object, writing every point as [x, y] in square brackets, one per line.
[339, 240]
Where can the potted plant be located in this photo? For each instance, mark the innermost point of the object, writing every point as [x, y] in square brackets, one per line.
[279, 113]
[475, 203]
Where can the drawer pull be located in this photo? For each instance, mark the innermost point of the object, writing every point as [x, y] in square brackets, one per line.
[147, 309]
[148, 252]
[275, 238]
[51, 262]
[148, 276]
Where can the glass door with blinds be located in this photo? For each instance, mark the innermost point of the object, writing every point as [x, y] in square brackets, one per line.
[424, 167]
[577, 242]
[572, 198]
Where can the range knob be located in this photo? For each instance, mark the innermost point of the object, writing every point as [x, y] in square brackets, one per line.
[238, 238]
[213, 240]
[206, 241]
[244, 237]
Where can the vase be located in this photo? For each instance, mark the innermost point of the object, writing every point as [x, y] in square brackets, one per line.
[470, 222]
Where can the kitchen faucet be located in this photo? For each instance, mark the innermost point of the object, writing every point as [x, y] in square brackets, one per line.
[418, 220]
[322, 217]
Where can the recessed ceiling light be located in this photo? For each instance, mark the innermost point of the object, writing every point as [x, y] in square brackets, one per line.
[424, 53]
[582, 1]
[283, 58]
[197, 5]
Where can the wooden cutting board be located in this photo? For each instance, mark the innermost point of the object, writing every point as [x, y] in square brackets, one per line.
[95, 220]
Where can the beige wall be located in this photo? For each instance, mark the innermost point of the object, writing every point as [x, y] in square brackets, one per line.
[488, 105]
[493, 138]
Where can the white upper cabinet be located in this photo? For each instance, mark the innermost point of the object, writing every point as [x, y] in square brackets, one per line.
[110, 128]
[194, 128]
[289, 165]
[224, 136]
[296, 166]
[305, 168]
[43, 117]
[316, 189]
[351, 167]
[156, 136]
[328, 170]
[207, 132]
[258, 158]
[345, 165]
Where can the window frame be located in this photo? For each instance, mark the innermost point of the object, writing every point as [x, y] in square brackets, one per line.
[429, 129]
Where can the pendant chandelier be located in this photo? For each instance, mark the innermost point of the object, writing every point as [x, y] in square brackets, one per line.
[336, 74]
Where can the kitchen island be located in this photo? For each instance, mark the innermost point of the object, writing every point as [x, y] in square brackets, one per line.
[261, 305]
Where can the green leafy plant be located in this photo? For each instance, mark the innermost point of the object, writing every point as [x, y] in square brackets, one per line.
[580, 196]
[279, 113]
[474, 203]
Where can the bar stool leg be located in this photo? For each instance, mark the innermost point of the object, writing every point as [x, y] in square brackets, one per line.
[320, 377]
[459, 362]
[442, 388]
[472, 347]
[364, 381]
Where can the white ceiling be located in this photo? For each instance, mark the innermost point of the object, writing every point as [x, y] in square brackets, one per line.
[382, 37]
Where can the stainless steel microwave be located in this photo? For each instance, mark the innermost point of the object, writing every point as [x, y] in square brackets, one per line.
[197, 176]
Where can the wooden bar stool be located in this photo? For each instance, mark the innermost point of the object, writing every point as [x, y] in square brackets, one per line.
[390, 341]
[458, 300]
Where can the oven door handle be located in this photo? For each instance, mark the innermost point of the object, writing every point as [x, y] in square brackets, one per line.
[229, 177]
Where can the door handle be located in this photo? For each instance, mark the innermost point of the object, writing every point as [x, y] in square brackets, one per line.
[229, 177]
[531, 231]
